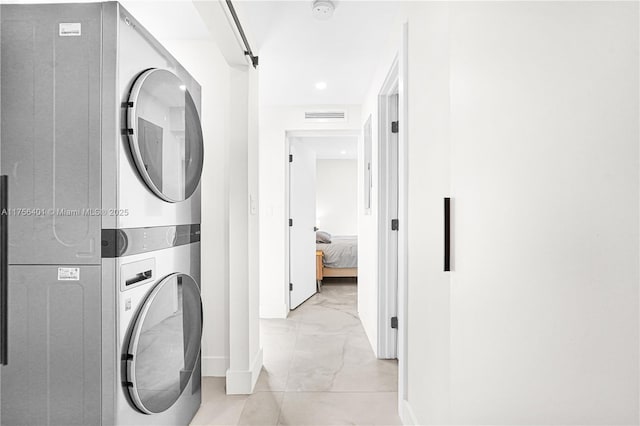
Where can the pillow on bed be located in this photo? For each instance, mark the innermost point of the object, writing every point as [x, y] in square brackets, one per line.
[323, 237]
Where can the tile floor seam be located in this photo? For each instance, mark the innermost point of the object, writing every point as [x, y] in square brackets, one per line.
[324, 360]
[244, 405]
[286, 380]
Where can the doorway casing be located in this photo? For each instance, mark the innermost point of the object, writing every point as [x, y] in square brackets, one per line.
[395, 84]
[388, 196]
[289, 136]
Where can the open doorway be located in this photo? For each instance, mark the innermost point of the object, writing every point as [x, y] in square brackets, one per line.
[323, 222]
[320, 351]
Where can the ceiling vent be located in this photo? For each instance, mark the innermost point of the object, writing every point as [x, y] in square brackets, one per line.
[325, 115]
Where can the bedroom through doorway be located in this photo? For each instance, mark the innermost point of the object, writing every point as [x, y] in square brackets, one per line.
[323, 215]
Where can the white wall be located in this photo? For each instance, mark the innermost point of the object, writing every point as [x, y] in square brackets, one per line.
[230, 257]
[428, 321]
[204, 61]
[253, 114]
[244, 345]
[368, 223]
[526, 113]
[336, 196]
[273, 168]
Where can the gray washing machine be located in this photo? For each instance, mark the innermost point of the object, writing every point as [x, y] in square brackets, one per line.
[159, 331]
[102, 148]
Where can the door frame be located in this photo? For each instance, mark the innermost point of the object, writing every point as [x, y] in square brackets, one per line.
[403, 284]
[398, 75]
[289, 135]
[388, 255]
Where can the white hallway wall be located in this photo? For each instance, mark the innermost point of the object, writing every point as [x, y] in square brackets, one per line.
[205, 62]
[230, 345]
[535, 136]
[244, 344]
[368, 223]
[274, 122]
[240, 162]
[336, 196]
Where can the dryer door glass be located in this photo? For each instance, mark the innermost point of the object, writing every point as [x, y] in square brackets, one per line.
[165, 134]
[165, 344]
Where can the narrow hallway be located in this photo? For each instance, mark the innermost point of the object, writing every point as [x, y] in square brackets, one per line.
[319, 369]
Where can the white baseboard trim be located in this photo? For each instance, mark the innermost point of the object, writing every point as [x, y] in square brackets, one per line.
[215, 366]
[407, 416]
[274, 310]
[242, 382]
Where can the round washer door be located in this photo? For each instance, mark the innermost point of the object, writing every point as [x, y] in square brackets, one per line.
[165, 134]
[165, 344]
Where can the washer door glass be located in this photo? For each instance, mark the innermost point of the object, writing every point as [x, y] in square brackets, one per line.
[165, 344]
[165, 134]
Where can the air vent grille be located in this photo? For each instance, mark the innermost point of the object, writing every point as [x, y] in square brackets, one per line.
[325, 115]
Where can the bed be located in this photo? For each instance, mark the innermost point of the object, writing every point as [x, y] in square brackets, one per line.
[339, 258]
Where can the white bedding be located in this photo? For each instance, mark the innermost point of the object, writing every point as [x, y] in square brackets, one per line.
[342, 252]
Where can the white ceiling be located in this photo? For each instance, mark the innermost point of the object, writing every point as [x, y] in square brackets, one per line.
[331, 147]
[169, 20]
[296, 50]
[165, 19]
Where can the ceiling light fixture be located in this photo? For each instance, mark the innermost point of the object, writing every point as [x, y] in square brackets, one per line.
[343, 152]
[322, 9]
[321, 85]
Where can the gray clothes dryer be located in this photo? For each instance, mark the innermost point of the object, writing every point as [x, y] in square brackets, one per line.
[101, 144]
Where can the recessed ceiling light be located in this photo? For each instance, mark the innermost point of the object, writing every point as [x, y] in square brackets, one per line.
[343, 152]
[321, 85]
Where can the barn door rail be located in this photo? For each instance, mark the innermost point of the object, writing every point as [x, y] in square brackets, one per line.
[247, 48]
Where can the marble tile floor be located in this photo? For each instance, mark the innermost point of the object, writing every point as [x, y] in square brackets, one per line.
[319, 369]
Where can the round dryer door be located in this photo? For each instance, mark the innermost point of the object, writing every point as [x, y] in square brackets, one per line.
[165, 134]
[165, 344]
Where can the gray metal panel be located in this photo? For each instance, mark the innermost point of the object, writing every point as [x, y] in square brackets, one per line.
[51, 132]
[110, 111]
[53, 374]
[126, 242]
[110, 354]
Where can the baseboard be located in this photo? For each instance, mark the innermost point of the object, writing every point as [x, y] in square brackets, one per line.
[407, 416]
[215, 366]
[242, 382]
[274, 310]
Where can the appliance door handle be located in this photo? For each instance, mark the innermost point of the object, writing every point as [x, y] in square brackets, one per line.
[4, 268]
[447, 234]
[142, 276]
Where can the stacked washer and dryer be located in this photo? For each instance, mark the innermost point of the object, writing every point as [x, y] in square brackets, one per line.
[101, 143]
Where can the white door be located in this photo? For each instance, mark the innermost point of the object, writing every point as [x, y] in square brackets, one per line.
[302, 214]
[544, 213]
